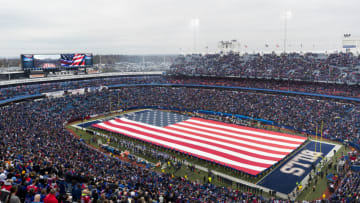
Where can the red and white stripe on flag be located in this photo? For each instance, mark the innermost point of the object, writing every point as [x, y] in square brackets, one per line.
[78, 59]
[246, 149]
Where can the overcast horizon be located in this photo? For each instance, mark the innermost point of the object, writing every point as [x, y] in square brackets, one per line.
[168, 27]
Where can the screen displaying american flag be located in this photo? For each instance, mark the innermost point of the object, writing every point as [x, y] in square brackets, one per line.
[72, 60]
[246, 149]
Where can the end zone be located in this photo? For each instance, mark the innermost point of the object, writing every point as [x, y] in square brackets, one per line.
[296, 169]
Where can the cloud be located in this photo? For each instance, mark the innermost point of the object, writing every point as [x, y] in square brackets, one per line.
[162, 26]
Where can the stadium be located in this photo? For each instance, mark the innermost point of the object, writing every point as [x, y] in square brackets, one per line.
[228, 125]
[238, 137]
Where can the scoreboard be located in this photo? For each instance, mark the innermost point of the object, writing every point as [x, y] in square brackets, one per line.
[56, 61]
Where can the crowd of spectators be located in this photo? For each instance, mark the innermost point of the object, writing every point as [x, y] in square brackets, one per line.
[39, 156]
[328, 89]
[29, 89]
[341, 120]
[337, 67]
[349, 188]
[319, 88]
[349, 180]
[296, 86]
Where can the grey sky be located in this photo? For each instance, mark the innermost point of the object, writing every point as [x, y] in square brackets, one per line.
[163, 26]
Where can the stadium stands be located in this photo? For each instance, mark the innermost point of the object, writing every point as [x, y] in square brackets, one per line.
[10, 91]
[340, 119]
[38, 154]
[339, 68]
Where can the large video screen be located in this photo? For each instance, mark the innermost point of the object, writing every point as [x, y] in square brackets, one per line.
[76, 60]
[47, 61]
[55, 61]
[27, 61]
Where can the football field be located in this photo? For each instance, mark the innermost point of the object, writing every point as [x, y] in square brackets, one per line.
[242, 148]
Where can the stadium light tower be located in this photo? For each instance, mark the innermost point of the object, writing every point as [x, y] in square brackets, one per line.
[194, 25]
[287, 16]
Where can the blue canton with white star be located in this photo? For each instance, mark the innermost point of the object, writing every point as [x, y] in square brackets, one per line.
[156, 117]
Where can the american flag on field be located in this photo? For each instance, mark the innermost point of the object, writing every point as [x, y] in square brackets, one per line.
[72, 60]
[242, 148]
